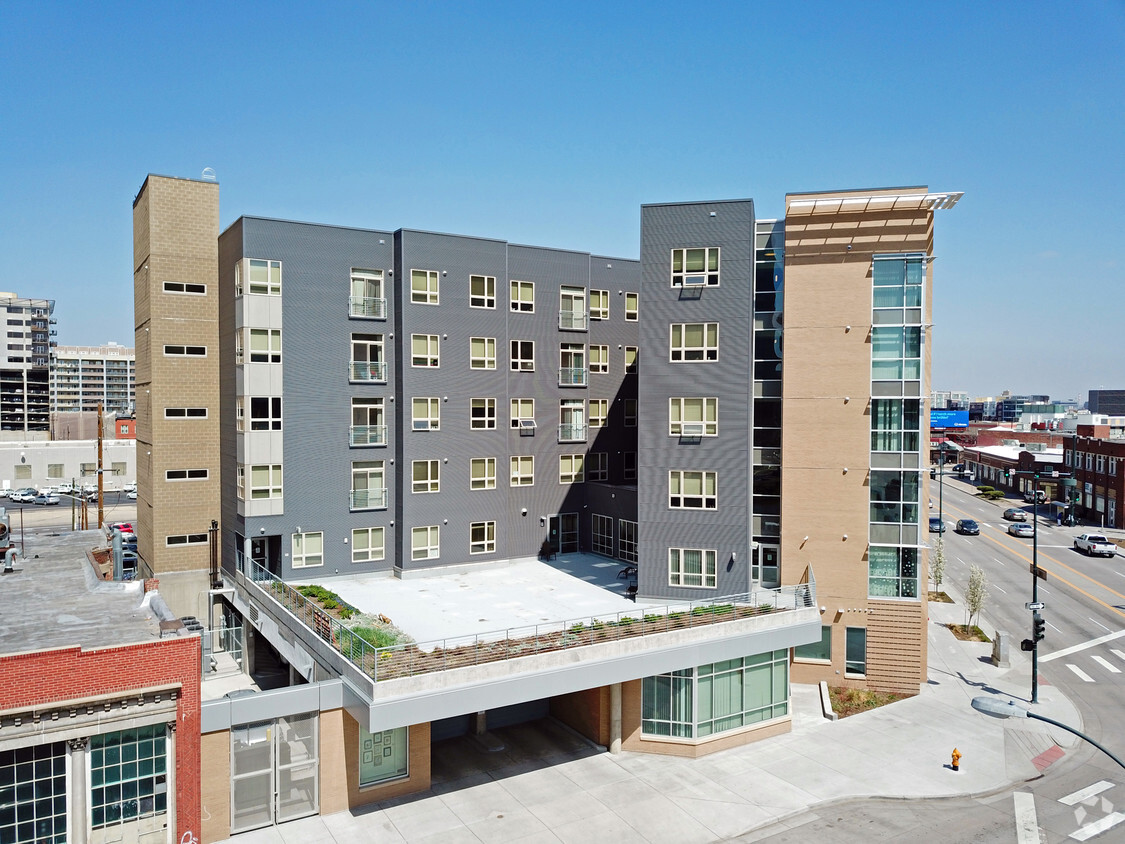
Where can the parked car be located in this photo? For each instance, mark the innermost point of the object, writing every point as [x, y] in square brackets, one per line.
[88, 488]
[130, 487]
[124, 527]
[1021, 529]
[131, 495]
[1015, 514]
[65, 488]
[45, 499]
[1035, 494]
[936, 525]
[23, 496]
[1094, 545]
[968, 527]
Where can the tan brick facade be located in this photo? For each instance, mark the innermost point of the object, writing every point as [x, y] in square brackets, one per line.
[175, 232]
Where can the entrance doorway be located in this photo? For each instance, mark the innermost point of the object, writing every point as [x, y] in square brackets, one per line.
[274, 771]
[564, 532]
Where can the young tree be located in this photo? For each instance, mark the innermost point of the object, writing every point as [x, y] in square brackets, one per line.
[976, 594]
[937, 564]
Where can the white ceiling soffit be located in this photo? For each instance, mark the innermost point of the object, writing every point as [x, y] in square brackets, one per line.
[876, 202]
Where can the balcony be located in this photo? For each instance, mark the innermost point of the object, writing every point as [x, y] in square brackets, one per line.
[368, 499]
[570, 376]
[362, 435]
[363, 370]
[571, 433]
[572, 321]
[365, 307]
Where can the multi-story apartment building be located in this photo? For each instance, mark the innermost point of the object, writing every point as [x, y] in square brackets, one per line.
[409, 405]
[82, 376]
[1109, 402]
[25, 366]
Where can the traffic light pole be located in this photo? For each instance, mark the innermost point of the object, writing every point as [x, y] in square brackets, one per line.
[1035, 617]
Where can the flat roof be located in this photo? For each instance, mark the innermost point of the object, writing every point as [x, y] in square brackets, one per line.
[1012, 452]
[472, 600]
[54, 599]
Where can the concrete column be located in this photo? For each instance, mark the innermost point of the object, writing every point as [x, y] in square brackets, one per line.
[79, 793]
[247, 647]
[480, 723]
[615, 718]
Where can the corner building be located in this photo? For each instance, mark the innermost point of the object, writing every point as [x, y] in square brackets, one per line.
[735, 421]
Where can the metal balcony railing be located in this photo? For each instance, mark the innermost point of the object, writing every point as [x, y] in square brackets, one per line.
[364, 370]
[367, 307]
[368, 435]
[572, 376]
[414, 658]
[368, 499]
[570, 433]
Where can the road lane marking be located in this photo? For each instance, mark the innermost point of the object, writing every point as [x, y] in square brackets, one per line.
[1053, 627]
[1106, 664]
[997, 559]
[1118, 653]
[1102, 626]
[1082, 675]
[1044, 590]
[1073, 649]
[1084, 794]
[1097, 827]
[1027, 825]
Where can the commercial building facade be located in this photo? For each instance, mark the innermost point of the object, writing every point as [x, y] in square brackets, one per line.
[1097, 463]
[407, 404]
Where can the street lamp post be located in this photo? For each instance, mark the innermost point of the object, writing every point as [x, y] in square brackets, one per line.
[941, 491]
[1035, 591]
[998, 709]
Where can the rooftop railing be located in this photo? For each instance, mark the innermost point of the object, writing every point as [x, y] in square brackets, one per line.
[414, 658]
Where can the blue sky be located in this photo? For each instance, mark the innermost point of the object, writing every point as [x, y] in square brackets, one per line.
[551, 123]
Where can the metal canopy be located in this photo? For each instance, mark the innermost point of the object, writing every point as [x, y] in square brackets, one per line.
[874, 202]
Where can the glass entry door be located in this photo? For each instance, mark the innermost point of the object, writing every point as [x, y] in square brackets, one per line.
[564, 532]
[769, 569]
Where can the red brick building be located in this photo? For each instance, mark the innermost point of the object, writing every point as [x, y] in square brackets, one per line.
[1098, 464]
[99, 715]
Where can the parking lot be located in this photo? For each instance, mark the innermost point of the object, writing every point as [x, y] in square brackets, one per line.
[65, 514]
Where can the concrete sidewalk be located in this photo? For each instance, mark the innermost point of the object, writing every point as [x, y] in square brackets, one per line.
[902, 750]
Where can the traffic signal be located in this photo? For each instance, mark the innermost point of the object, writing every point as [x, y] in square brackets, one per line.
[1037, 627]
[1007, 474]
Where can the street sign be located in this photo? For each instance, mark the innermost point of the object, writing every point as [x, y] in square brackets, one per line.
[1038, 571]
[1035, 606]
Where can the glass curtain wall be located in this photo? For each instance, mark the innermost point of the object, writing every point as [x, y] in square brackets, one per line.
[769, 272]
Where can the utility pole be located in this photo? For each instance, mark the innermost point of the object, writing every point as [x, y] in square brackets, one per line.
[101, 489]
[1035, 617]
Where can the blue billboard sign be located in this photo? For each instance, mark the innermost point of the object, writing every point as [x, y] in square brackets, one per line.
[949, 419]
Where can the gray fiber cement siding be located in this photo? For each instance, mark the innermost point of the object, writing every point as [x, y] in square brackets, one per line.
[729, 226]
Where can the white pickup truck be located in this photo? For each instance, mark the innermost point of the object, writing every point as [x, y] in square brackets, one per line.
[1095, 545]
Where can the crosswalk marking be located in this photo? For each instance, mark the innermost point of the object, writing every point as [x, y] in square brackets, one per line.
[1084, 794]
[1106, 664]
[1097, 827]
[1118, 653]
[1081, 674]
[1109, 637]
[1027, 825]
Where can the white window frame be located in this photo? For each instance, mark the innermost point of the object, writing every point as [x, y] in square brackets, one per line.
[599, 359]
[520, 303]
[370, 552]
[599, 413]
[429, 480]
[572, 468]
[373, 477]
[425, 287]
[683, 277]
[178, 475]
[482, 473]
[182, 351]
[366, 281]
[371, 346]
[597, 466]
[485, 420]
[272, 486]
[631, 365]
[519, 362]
[632, 307]
[486, 360]
[708, 568]
[486, 544]
[517, 408]
[431, 357]
[486, 298]
[599, 304]
[425, 413]
[522, 470]
[271, 286]
[681, 352]
[305, 558]
[271, 352]
[271, 420]
[430, 545]
[676, 499]
[185, 288]
[703, 427]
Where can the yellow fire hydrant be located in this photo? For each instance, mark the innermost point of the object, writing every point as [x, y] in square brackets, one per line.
[956, 759]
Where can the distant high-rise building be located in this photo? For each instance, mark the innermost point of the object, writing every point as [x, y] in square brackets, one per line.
[25, 364]
[82, 376]
[1109, 402]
